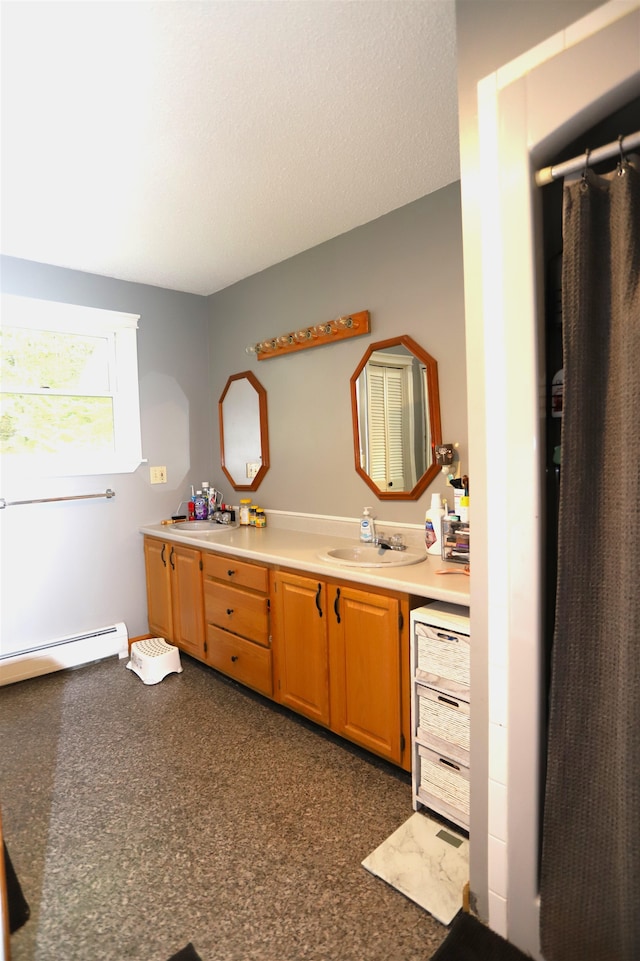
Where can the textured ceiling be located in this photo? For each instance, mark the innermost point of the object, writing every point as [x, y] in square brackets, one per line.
[188, 145]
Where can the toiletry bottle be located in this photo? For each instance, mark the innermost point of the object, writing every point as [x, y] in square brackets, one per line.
[208, 499]
[433, 526]
[366, 526]
[244, 511]
[557, 393]
[201, 507]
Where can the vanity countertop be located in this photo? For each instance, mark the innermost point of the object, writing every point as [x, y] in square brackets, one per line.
[300, 550]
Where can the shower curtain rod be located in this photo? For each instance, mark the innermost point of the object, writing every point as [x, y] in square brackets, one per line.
[548, 174]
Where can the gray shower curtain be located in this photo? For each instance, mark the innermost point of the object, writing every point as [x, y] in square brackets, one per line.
[590, 868]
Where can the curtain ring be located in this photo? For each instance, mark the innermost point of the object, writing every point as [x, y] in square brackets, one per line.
[623, 163]
[584, 184]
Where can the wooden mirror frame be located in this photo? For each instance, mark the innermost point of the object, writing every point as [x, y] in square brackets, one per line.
[433, 399]
[264, 430]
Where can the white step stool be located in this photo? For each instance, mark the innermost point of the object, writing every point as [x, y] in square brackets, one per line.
[152, 659]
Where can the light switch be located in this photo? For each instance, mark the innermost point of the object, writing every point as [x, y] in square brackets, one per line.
[158, 475]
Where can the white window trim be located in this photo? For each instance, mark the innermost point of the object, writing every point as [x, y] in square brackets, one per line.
[28, 312]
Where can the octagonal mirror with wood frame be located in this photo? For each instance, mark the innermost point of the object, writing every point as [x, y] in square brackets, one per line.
[395, 406]
[244, 432]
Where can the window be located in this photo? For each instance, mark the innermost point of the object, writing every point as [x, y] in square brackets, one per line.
[68, 389]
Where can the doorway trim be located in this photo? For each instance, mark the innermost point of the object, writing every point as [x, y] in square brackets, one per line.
[527, 111]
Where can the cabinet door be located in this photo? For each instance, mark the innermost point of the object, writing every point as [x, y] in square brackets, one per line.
[365, 665]
[300, 645]
[156, 559]
[187, 599]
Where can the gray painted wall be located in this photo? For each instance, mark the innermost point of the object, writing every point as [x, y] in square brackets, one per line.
[406, 269]
[73, 567]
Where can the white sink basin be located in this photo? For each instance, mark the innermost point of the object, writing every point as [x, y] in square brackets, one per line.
[202, 527]
[368, 555]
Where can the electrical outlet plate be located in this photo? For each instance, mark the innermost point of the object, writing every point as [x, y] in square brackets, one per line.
[158, 475]
[252, 470]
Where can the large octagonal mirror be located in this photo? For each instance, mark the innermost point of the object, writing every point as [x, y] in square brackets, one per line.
[395, 407]
[244, 435]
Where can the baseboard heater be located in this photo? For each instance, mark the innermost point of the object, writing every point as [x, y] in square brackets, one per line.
[65, 652]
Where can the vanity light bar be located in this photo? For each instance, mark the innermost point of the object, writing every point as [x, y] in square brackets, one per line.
[351, 325]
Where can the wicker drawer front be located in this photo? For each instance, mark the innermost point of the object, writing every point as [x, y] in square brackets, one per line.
[443, 659]
[238, 611]
[244, 661]
[443, 723]
[233, 571]
[444, 785]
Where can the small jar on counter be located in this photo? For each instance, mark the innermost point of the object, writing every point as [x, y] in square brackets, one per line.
[252, 515]
[261, 517]
[245, 503]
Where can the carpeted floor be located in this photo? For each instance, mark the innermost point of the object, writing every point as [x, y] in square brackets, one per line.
[140, 819]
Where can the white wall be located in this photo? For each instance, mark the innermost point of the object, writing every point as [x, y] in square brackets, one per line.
[527, 109]
[73, 567]
[489, 34]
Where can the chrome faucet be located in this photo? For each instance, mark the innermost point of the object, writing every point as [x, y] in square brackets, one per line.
[394, 542]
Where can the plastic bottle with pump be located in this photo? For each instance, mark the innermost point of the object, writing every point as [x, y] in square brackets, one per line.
[366, 527]
[433, 526]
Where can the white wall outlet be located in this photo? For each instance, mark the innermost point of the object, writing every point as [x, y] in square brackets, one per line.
[252, 470]
[158, 475]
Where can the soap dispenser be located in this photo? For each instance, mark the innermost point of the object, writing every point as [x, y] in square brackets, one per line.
[366, 527]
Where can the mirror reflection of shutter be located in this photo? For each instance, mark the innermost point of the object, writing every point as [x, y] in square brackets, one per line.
[395, 432]
[386, 438]
[377, 453]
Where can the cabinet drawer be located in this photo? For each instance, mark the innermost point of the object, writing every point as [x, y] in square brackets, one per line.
[443, 659]
[238, 611]
[236, 572]
[242, 660]
[443, 785]
[443, 723]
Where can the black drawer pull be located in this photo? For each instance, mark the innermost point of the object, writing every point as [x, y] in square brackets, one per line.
[336, 605]
[447, 700]
[230, 573]
[234, 657]
[229, 611]
[319, 592]
[449, 763]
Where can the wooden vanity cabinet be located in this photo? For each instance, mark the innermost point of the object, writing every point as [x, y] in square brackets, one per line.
[236, 604]
[368, 664]
[340, 652]
[341, 658]
[174, 594]
[301, 651]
